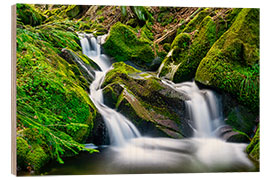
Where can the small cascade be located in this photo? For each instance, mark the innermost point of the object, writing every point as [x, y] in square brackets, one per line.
[204, 108]
[119, 127]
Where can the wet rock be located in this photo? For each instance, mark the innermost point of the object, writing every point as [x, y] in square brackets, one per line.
[146, 101]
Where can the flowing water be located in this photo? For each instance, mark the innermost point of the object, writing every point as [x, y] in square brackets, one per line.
[129, 152]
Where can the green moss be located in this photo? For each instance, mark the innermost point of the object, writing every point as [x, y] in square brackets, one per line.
[253, 149]
[167, 47]
[28, 15]
[181, 41]
[22, 150]
[37, 158]
[146, 33]
[165, 18]
[54, 112]
[205, 38]
[232, 64]
[123, 44]
[195, 22]
[111, 94]
[241, 119]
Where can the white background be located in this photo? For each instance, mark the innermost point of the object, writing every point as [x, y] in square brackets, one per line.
[5, 99]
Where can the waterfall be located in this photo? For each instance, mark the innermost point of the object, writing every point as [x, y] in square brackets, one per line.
[203, 108]
[133, 153]
[119, 127]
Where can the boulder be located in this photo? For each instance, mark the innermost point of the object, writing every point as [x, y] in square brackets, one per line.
[155, 108]
[123, 45]
[253, 149]
[81, 60]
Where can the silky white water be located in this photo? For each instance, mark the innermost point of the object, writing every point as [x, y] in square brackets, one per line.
[131, 153]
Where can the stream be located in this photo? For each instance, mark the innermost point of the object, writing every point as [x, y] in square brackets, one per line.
[130, 153]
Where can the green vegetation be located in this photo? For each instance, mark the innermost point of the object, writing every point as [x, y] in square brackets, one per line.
[253, 148]
[217, 47]
[123, 44]
[28, 15]
[232, 64]
[203, 31]
[54, 112]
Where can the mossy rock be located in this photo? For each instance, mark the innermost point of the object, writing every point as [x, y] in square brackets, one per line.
[188, 49]
[167, 47]
[232, 64]
[54, 111]
[239, 137]
[28, 15]
[253, 149]
[79, 58]
[195, 22]
[192, 45]
[242, 119]
[22, 150]
[123, 45]
[179, 50]
[146, 100]
[37, 158]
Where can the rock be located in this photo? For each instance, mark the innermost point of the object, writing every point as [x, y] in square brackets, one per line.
[123, 45]
[99, 135]
[195, 22]
[253, 149]
[232, 64]
[179, 50]
[238, 137]
[241, 119]
[37, 158]
[146, 101]
[22, 150]
[72, 57]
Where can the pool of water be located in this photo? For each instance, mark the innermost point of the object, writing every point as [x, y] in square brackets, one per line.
[158, 155]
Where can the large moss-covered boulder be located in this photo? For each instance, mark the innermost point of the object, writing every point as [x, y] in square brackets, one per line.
[123, 45]
[28, 15]
[232, 64]
[154, 108]
[191, 46]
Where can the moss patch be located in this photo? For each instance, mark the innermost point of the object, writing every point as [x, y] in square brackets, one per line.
[253, 148]
[54, 112]
[28, 15]
[192, 45]
[37, 158]
[123, 44]
[232, 64]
